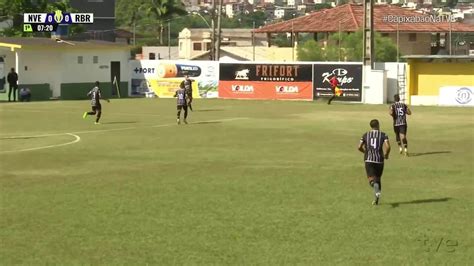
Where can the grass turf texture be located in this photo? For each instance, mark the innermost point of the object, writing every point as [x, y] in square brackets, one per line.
[284, 186]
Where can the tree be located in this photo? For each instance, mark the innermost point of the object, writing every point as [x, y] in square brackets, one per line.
[322, 6]
[350, 48]
[310, 51]
[164, 10]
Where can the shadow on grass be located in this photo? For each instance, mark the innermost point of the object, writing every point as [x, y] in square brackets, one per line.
[397, 204]
[428, 153]
[120, 122]
[28, 137]
[208, 110]
[206, 122]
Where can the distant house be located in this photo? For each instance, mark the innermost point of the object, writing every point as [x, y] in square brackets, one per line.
[250, 53]
[158, 53]
[194, 42]
[422, 38]
[66, 69]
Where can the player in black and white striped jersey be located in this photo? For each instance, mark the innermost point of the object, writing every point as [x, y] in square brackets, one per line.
[399, 112]
[376, 148]
[95, 95]
[182, 104]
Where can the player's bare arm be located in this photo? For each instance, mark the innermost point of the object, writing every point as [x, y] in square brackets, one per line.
[105, 99]
[408, 111]
[387, 148]
[361, 147]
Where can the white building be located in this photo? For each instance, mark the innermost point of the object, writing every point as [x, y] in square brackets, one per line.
[279, 13]
[195, 42]
[67, 69]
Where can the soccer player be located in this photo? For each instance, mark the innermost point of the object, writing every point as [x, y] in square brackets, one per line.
[334, 87]
[95, 95]
[376, 147]
[399, 112]
[182, 104]
[187, 85]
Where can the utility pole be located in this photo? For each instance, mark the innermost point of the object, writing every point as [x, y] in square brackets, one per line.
[292, 42]
[169, 39]
[340, 40]
[218, 46]
[213, 33]
[369, 33]
[253, 41]
[134, 29]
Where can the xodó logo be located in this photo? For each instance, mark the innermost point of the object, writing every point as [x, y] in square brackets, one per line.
[463, 95]
[242, 74]
[286, 89]
[341, 74]
[242, 88]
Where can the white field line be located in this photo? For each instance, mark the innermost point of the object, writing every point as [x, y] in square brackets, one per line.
[100, 131]
[79, 112]
[76, 139]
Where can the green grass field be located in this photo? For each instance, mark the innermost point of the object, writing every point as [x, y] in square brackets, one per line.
[245, 183]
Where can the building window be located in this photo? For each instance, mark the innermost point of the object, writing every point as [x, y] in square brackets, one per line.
[412, 37]
[95, 59]
[151, 56]
[80, 59]
[197, 46]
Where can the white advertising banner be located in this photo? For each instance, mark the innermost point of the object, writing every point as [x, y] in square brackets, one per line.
[163, 77]
[456, 96]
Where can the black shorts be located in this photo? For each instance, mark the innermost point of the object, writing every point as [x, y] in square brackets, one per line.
[374, 169]
[182, 107]
[402, 129]
[97, 108]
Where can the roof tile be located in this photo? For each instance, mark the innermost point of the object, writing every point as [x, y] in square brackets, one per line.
[351, 18]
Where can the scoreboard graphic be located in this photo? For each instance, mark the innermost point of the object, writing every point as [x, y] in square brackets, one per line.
[49, 22]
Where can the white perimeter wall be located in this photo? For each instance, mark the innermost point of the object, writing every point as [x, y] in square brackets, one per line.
[73, 72]
[393, 69]
[61, 66]
[374, 86]
[38, 68]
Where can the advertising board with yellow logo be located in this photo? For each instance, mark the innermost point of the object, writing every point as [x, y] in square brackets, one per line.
[163, 78]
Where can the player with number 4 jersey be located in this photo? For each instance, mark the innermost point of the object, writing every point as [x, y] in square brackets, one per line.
[376, 148]
[399, 112]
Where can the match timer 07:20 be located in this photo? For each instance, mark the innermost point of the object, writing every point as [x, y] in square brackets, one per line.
[40, 27]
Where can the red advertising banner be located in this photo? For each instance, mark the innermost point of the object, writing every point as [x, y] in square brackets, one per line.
[264, 90]
[265, 81]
